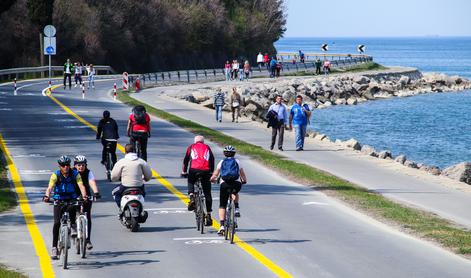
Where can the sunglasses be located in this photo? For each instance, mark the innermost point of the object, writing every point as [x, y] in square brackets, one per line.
[64, 165]
[80, 164]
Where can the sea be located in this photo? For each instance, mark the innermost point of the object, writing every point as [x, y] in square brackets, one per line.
[434, 129]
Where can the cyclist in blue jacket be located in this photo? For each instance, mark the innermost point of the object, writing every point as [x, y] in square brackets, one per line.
[64, 184]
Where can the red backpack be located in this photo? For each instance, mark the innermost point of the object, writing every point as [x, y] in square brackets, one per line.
[200, 157]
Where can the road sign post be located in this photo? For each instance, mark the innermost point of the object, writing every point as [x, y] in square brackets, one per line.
[49, 45]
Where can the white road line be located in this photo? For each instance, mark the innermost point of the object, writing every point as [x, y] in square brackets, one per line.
[1, 102]
[5, 109]
[36, 172]
[58, 113]
[28, 155]
[196, 238]
[151, 209]
[315, 203]
[76, 126]
[65, 120]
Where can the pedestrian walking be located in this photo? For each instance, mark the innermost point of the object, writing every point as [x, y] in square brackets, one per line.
[91, 76]
[326, 67]
[218, 104]
[277, 119]
[78, 74]
[318, 66]
[227, 70]
[273, 67]
[278, 68]
[260, 61]
[301, 56]
[68, 69]
[266, 61]
[299, 117]
[235, 69]
[236, 102]
[247, 70]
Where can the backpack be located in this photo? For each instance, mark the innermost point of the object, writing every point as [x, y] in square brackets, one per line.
[229, 169]
[66, 188]
[200, 157]
[139, 114]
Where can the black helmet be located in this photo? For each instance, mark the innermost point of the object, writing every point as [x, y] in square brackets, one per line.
[106, 114]
[63, 160]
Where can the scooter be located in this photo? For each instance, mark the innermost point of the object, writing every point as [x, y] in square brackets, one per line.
[132, 209]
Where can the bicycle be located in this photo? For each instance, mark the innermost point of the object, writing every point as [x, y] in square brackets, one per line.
[82, 232]
[137, 144]
[230, 221]
[109, 160]
[64, 230]
[200, 202]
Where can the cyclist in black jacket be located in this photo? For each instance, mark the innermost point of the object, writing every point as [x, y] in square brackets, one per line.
[108, 132]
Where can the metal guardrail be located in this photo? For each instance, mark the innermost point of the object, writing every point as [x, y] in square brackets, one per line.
[201, 75]
[37, 72]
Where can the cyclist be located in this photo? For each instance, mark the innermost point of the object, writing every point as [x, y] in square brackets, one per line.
[139, 128]
[199, 162]
[108, 132]
[130, 170]
[88, 179]
[232, 176]
[63, 185]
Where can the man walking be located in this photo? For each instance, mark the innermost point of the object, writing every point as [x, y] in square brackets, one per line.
[280, 120]
[318, 66]
[260, 61]
[299, 117]
[68, 69]
[218, 104]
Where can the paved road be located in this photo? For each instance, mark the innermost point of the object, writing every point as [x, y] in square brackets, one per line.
[380, 176]
[300, 230]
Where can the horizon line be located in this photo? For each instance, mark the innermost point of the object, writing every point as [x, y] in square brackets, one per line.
[363, 37]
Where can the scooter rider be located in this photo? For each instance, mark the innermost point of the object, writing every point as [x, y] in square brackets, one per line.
[63, 185]
[130, 170]
[88, 179]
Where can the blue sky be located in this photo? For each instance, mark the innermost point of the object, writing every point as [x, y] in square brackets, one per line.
[378, 18]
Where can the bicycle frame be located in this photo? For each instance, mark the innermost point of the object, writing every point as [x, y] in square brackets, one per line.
[200, 211]
[230, 221]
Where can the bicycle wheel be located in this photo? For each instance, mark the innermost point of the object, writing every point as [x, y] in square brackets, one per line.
[83, 236]
[232, 225]
[65, 245]
[202, 212]
[227, 222]
[109, 166]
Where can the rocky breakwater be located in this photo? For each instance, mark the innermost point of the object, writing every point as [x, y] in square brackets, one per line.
[348, 89]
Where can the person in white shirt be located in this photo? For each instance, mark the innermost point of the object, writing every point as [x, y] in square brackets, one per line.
[78, 74]
[232, 177]
[260, 60]
[91, 76]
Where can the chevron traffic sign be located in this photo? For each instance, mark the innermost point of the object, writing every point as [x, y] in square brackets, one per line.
[361, 48]
[325, 47]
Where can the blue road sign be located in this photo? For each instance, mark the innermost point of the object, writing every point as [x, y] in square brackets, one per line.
[50, 50]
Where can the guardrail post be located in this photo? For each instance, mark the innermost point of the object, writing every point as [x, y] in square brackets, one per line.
[178, 74]
[214, 72]
[196, 73]
[163, 76]
[155, 76]
[206, 74]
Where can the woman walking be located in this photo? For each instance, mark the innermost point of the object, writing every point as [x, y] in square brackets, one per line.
[236, 101]
[227, 70]
[246, 70]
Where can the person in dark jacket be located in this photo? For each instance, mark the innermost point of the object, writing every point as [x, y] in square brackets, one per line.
[108, 132]
[277, 119]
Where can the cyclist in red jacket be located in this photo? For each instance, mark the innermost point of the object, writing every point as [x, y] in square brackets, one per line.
[199, 162]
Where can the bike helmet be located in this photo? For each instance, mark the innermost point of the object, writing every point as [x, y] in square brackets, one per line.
[106, 114]
[64, 160]
[80, 159]
[229, 151]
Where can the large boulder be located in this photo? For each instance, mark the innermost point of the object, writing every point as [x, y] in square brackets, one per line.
[401, 159]
[404, 80]
[361, 79]
[368, 150]
[199, 96]
[353, 144]
[434, 170]
[385, 154]
[208, 103]
[340, 101]
[460, 172]
[352, 101]
[411, 164]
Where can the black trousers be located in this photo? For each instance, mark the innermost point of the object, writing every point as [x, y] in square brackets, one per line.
[227, 188]
[87, 208]
[58, 211]
[69, 76]
[142, 138]
[193, 175]
[112, 150]
[278, 130]
[318, 70]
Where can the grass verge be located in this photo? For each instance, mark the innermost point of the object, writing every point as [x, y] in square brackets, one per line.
[7, 198]
[6, 273]
[411, 220]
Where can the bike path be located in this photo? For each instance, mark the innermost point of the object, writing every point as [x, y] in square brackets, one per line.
[302, 231]
[406, 185]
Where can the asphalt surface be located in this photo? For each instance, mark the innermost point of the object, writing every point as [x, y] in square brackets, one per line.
[300, 230]
[374, 174]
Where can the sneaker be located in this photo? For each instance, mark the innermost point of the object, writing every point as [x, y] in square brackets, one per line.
[237, 212]
[75, 86]
[54, 253]
[191, 204]
[271, 148]
[220, 121]
[208, 221]
[102, 162]
[299, 149]
[280, 148]
[221, 231]
[89, 245]
[73, 230]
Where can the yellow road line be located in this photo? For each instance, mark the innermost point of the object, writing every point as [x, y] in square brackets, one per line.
[39, 245]
[280, 272]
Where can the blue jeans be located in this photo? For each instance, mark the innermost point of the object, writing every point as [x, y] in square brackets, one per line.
[218, 109]
[300, 135]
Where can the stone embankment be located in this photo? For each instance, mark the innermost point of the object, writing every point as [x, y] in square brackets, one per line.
[346, 89]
